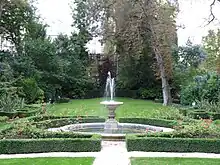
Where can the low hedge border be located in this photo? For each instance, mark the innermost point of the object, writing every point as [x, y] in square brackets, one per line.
[21, 146]
[50, 134]
[22, 113]
[66, 121]
[156, 144]
[150, 121]
[198, 114]
[48, 117]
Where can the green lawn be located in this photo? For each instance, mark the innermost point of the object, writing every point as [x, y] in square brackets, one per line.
[131, 108]
[174, 161]
[48, 161]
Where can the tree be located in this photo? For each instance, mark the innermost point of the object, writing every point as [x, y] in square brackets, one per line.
[211, 44]
[15, 16]
[133, 22]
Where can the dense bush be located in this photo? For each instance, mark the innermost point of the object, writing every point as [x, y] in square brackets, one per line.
[20, 146]
[152, 144]
[31, 90]
[205, 87]
[171, 114]
[194, 129]
[151, 121]
[199, 114]
[25, 112]
[10, 103]
[150, 93]
[3, 118]
[63, 100]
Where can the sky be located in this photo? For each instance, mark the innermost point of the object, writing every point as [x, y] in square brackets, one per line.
[193, 17]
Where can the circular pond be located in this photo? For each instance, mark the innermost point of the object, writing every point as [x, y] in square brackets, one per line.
[99, 128]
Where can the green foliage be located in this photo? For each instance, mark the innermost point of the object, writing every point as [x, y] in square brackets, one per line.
[31, 90]
[172, 114]
[9, 103]
[15, 17]
[211, 46]
[51, 117]
[205, 87]
[201, 129]
[150, 93]
[150, 121]
[199, 114]
[67, 121]
[209, 106]
[63, 100]
[21, 146]
[3, 119]
[152, 144]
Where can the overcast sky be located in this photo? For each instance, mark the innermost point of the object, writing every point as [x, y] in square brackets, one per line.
[193, 16]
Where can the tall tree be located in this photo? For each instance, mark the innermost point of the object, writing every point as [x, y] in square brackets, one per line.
[15, 16]
[133, 21]
[211, 44]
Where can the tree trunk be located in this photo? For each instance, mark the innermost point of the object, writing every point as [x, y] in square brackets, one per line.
[167, 99]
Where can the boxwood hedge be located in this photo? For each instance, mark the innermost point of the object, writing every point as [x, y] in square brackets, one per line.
[20, 146]
[150, 121]
[66, 121]
[48, 117]
[157, 144]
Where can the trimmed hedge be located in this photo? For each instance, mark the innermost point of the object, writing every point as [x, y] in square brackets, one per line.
[21, 113]
[150, 121]
[152, 144]
[198, 114]
[66, 121]
[21, 146]
[48, 117]
[49, 134]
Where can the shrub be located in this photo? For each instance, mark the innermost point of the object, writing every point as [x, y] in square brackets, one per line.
[151, 121]
[63, 100]
[205, 87]
[20, 146]
[199, 114]
[9, 103]
[171, 114]
[31, 90]
[150, 93]
[3, 119]
[152, 144]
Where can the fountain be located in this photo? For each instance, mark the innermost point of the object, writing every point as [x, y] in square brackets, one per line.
[111, 123]
[111, 128]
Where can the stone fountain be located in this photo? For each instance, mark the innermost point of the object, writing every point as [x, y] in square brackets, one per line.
[110, 128]
[111, 105]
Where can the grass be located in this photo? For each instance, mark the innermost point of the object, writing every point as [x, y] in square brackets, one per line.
[174, 161]
[131, 108]
[48, 161]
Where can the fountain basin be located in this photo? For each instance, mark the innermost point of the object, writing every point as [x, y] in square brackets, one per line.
[99, 128]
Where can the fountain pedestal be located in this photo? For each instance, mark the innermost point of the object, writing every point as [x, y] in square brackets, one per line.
[111, 124]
